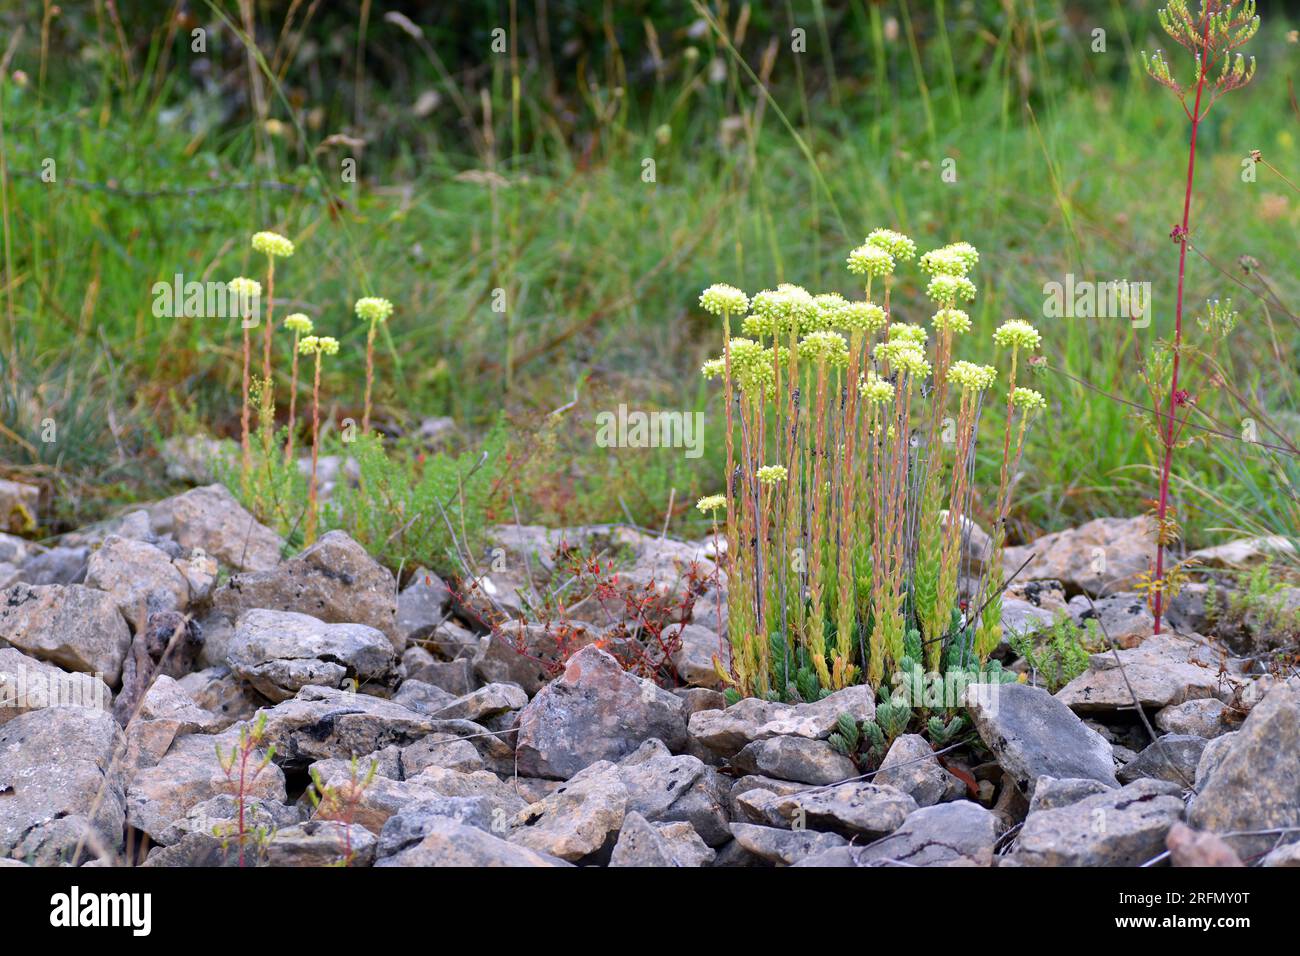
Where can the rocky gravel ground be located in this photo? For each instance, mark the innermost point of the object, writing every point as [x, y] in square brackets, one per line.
[432, 726]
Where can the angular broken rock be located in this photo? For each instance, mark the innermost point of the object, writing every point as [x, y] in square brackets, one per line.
[1031, 733]
[784, 847]
[27, 684]
[1124, 827]
[449, 843]
[191, 773]
[696, 648]
[210, 519]
[961, 833]
[1100, 557]
[911, 766]
[76, 627]
[488, 701]
[1173, 757]
[60, 786]
[218, 691]
[1206, 717]
[1124, 619]
[479, 799]
[165, 713]
[321, 722]
[140, 577]
[334, 580]
[671, 789]
[801, 759]
[421, 606]
[594, 711]
[579, 820]
[1244, 553]
[530, 655]
[1051, 792]
[641, 843]
[1252, 781]
[281, 652]
[321, 843]
[1162, 671]
[856, 810]
[727, 732]
[416, 818]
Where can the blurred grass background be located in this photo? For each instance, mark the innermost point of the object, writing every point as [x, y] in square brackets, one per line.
[523, 170]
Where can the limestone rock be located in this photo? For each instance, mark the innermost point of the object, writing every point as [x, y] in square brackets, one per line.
[594, 711]
[76, 627]
[1032, 733]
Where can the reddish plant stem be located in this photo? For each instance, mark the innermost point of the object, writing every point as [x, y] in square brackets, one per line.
[1163, 506]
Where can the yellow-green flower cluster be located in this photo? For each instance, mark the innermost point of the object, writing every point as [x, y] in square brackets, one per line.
[971, 376]
[964, 251]
[779, 312]
[244, 287]
[1017, 334]
[713, 368]
[722, 299]
[828, 347]
[319, 345]
[947, 290]
[951, 320]
[875, 389]
[902, 332]
[374, 309]
[1028, 399]
[905, 356]
[272, 244]
[827, 311]
[751, 365]
[869, 260]
[298, 322]
[771, 474]
[711, 503]
[895, 243]
[862, 317]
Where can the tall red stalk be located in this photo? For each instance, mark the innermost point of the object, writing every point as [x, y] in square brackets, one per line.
[1163, 507]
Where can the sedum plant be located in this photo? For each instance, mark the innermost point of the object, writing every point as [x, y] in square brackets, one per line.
[850, 454]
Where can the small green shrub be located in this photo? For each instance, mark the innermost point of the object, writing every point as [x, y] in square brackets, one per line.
[1055, 652]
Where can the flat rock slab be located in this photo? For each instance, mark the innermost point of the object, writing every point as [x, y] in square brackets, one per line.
[60, 786]
[27, 684]
[855, 810]
[1102, 556]
[76, 627]
[281, 652]
[334, 580]
[1033, 734]
[449, 843]
[784, 847]
[321, 722]
[961, 833]
[1162, 671]
[799, 759]
[727, 732]
[1125, 827]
